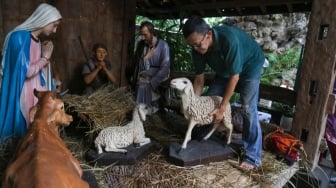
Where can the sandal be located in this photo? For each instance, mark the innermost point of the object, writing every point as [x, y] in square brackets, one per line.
[246, 166]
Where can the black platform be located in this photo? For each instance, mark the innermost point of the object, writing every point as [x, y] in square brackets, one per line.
[133, 155]
[90, 178]
[198, 152]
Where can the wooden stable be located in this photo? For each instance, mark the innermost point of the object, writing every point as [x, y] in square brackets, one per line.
[113, 22]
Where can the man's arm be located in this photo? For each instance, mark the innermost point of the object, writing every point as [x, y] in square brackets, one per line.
[88, 78]
[231, 85]
[230, 88]
[199, 84]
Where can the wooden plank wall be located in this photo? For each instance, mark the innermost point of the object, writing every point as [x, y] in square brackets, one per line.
[317, 77]
[10, 18]
[109, 21]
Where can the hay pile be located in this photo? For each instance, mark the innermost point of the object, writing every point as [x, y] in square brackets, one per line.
[156, 172]
[105, 107]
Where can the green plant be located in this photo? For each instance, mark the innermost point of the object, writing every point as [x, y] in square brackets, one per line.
[285, 109]
[280, 63]
[170, 30]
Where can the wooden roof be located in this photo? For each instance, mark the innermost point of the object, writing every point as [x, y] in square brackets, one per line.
[163, 9]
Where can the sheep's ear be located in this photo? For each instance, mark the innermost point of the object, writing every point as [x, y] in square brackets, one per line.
[188, 90]
[142, 114]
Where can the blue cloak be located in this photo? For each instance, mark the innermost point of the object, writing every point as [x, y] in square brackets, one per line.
[15, 66]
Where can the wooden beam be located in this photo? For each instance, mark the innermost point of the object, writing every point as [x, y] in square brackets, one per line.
[241, 3]
[263, 9]
[289, 7]
[248, 7]
[239, 10]
[316, 78]
[128, 28]
[278, 94]
[226, 4]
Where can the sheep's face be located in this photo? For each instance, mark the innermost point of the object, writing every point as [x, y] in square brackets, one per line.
[180, 84]
[143, 111]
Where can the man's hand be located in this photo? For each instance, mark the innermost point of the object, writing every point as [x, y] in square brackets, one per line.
[218, 115]
[144, 77]
[144, 80]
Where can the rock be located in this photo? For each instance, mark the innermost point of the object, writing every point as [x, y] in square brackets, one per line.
[275, 33]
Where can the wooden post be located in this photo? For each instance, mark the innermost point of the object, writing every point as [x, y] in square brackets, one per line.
[127, 38]
[317, 78]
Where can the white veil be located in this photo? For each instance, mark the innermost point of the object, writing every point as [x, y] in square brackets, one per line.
[42, 16]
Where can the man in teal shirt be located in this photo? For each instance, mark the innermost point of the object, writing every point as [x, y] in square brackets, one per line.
[237, 60]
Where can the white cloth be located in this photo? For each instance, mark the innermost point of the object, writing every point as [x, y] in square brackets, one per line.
[266, 63]
[42, 16]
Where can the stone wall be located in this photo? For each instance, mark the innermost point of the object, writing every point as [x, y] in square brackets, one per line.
[275, 33]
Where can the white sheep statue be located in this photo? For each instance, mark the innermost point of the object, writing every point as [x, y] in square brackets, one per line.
[196, 109]
[116, 137]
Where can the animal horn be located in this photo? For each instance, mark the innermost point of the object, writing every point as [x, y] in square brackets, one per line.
[61, 94]
[35, 92]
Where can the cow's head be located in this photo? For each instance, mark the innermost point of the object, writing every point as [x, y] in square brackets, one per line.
[59, 117]
[50, 108]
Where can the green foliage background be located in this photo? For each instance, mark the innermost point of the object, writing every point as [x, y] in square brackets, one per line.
[278, 63]
[170, 30]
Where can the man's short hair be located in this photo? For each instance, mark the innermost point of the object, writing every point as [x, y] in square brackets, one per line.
[195, 24]
[149, 26]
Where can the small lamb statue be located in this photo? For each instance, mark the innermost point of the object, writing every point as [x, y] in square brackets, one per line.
[196, 109]
[116, 137]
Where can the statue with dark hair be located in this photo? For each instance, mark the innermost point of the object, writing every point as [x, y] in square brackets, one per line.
[152, 66]
[97, 71]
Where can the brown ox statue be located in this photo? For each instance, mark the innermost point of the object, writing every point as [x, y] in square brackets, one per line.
[42, 160]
